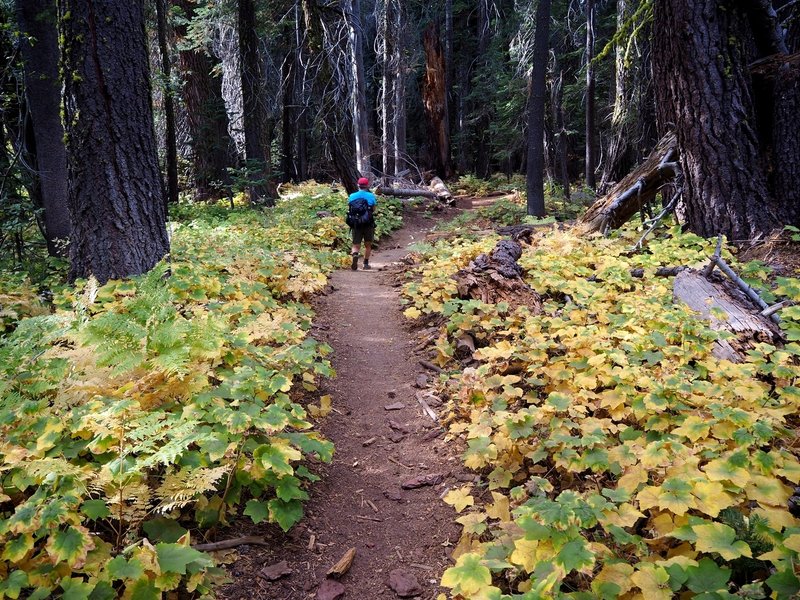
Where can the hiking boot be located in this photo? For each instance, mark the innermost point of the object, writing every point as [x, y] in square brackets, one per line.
[366, 266]
[354, 264]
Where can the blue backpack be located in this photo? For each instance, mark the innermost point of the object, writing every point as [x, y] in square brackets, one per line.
[359, 213]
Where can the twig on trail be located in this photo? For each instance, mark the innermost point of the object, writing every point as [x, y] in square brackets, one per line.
[429, 365]
[424, 567]
[372, 506]
[312, 541]
[369, 442]
[428, 410]
[366, 518]
[254, 540]
[397, 462]
[343, 565]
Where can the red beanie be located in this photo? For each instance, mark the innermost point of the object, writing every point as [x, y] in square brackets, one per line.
[363, 181]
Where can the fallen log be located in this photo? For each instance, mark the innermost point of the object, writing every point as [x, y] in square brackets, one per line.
[708, 298]
[636, 190]
[497, 277]
[405, 192]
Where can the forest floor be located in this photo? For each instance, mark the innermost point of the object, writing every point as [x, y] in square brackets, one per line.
[383, 440]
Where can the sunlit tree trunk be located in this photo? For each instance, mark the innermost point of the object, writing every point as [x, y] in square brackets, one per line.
[434, 99]
[359, 89]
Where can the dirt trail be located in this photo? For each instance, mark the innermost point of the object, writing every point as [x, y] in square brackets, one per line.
[359, 502]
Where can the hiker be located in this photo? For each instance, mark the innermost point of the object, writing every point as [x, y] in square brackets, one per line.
[361, 218]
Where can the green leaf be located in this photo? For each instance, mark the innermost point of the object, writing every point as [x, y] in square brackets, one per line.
[273, 458]
[95, 509]
[469, 576]
[285, 514]
[707, 576]
[162, 529]
[288, 488]
[175, 558]
[119, 568]
[70, 545]
[14, 583]
[258, 511]
[575, 555]
[76, 589]
[785, 584]
[17, 548]
[145, 589]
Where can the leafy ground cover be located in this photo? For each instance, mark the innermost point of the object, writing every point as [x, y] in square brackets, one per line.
[618, 457]
[138, 416]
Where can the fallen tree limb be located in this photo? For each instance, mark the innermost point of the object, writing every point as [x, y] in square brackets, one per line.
[638, 188]
[253, 540]
[660, 272]
[405, 192]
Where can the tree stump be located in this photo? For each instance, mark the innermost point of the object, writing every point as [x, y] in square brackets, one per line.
[497, 277]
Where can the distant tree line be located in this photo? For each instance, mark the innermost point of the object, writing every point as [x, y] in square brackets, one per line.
[111, 109]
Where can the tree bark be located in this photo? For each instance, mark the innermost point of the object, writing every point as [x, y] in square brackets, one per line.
[37, 19]
[359, 90]
[116, 196]
[560, 131]
[387, 87]
[482, 159]
[399, 94]
[434, 99]
[704, 88]
[256, 154]
[205, 113]
[536, 99]
[169, 105]
[590, 109]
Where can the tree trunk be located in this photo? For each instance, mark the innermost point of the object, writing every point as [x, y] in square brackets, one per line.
[387, 86]
[289, 117]
[434, 99]
[560, 134]
[590, 110]
[37, 19]
[252, 117]
[704, 88]
[359, 89]
[205, 113]
[169, 105]
[536, 98]
[116, 197]
[399, 94]
[482, 159]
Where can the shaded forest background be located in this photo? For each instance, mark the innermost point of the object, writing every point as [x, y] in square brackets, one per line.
[241, 95]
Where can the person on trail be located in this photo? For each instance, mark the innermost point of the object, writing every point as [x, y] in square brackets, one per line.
[361, 218]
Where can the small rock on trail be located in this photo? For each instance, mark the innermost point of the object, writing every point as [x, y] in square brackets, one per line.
[422, 481]
[330, 590]
[275, 571]
[404, 583]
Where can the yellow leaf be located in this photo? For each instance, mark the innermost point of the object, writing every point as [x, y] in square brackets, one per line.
[412, 313]
[631, 481]
[778, 518]
[617, 573]
[793, 542]
[499, 509]
[663, 525]
[459, 499]
[625, 515]
[524, 554]
[768, 491]
[652, 580]
[712, 497]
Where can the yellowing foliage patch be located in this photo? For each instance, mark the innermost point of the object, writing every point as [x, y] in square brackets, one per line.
[623, 459]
